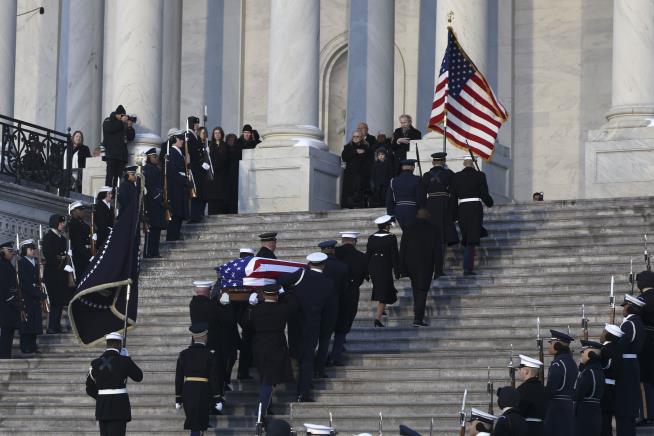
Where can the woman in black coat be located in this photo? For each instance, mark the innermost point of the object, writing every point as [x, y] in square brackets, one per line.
[56, 279]
[31, 298]
[216, 189]
[383, 260]
[358, 158]
[231, 182]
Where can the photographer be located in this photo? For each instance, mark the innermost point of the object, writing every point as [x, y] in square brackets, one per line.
[117, 131]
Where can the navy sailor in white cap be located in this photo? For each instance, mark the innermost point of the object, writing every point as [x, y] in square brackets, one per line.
[611, 359]
[561, 378]
[533, 398]
[589, 388]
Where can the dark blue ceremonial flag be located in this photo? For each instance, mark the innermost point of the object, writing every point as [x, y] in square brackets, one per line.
[98, 307]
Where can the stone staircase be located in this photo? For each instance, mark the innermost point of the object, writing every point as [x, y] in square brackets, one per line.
[541, 259]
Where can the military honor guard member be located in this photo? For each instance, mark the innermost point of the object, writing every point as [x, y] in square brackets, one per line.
[561, 378]
[645, 283]
[9, 304]
[357, 265]
[467, 192]
[198, 167]
[510, 422]
[533, 398]
[627, 384]
[245, 252]
[107, 384]
[153, 203]
[383, 259]
[127, 191]
[227, 340]
[268, 245]
[196, 386]
[28, 271]
[481, 423]
[177, 184]
[405, 194]
[588, 390]
[80, 237]
[57, 275]
[104, 215]
[611, 360]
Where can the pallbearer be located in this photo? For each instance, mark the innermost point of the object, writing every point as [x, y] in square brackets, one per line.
[533, 398]
[153, 202]
[611, 360]
[9, 312]
[481, 423]
[561, 378]
[104, 215]
[56, 273]
[510, 422]
[80, 237]
[268, 245]
[588, 391]
[31, 294]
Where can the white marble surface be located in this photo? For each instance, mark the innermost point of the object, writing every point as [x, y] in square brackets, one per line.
[8, 56]
[171, 70]
[93, 176]
[110, 42]
[407, 40]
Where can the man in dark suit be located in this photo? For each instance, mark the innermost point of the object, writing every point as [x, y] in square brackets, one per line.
[402, 137]
[268, 245]
[177, 182]
[117, 131]
[104, 215]
[153, 203]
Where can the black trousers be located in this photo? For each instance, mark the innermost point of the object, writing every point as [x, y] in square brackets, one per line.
[419, 303]
[174, 229]
[625, 425]
[197, 209]
[6, 339]
[113, 428]
[54, 319]
[310, 335]
[245, 352]
[327, 326]
[151, 244]
[115, 170]
[28, 342]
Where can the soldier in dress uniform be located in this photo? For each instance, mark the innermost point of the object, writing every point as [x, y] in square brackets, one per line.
[645, 283]
[196, 387]
[383, 259]
[227, 341]
[480, 423]
[467, 192]
[588, 390]
[611, 360]
[80, 237]
[9, 306]
[198, 167]
[107, 384]
[561, 378]
[405, 195]
[56, 274]
[357, 265]
[533, 398]
[245, 252]
[31, 295]
[627, 384]
[268, 245]
[127, 191]
[153, 203]
[510, 422]
[177, 184]
[104, 215]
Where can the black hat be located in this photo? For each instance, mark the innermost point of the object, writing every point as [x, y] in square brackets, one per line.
[151, 151]
[328, 244]
[590, 344]
[408, 162]
[120, 110]
[55, 219]
[247, 128]
[197, 328]
[193, 120]
[8, 244]
[508, 397]
[560, 336]
[271, 289]
[268, 236]
[645, 279]
[131, 169]
[439, 156]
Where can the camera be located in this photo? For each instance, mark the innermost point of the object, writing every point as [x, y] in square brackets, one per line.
[132, 118]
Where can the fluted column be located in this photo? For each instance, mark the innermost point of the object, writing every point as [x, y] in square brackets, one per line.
[7, 56]
[172, 65]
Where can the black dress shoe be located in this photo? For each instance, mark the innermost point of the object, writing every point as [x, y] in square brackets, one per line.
[420, 324]
[305, 399]
[378, 323]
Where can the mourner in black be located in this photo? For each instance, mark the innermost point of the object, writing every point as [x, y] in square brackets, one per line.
[32, 325]
[268, 245]
[366, 136]
[177, 184]
[383, 171]
[357, 265]
[533, 398]
[467, 192]
[196, 386]
[358, 158]
[57, 275]
[480, 423]
[127, 191]
[9, 304]
[198, 167]
[216, 189]
[104, 215]
[153, 203]
[405, 195]
[421, 255]
[383, 259]
[588, 390]
[117, 131]
[645, 283]
[80, 153]
[510, 422]
[267, 317]
[338, 273]
[80, 238]
[107, 384]
[627, 384]
[611, 361]
[402, 137]
[561, 378]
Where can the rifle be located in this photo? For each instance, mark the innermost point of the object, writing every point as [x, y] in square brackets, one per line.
[541, 357]
[490, 392]
[381, 424]
[648, 266]
[258, 431]
[418, 159]
[462, 415]
[45, 304]
[72, 276]
[584, 322]
[511, 368]
[431, 427]
[207, 154]
[166, 206]
[93, 227]
[611, 304]
[192, 193]
[472, 156]
[19, 291]
[632, 279]
[293, 432]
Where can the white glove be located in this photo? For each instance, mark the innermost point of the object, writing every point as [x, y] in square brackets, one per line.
[224, 299]
[124, 352]
[94, 237]
[68, 269]
[70, 253]
[219, 407]
[253, 299]
[281, 290]
[206, 166]
[178, 406]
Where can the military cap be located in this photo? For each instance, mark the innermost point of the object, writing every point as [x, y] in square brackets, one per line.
[614, 330]
[478, 415]
[441, 155]
[318, 429]
[350, 234]
[526, 361]
[174, 131]
[328, 244]
[590, 344]
[105, 189]
[75, 205]
[268, 236]
[8, 244]
[645, 280]
[508, 397]
[636, 301]
[468, 157]
[131, 169]
[317, 257]
[271, 289]
[115, 336]
[203, 283]
[199, 328]
[408, 162]
[29, 243]
[151, 151]
[193, 120]
[384, 219]
[245, 250]
[560, 336]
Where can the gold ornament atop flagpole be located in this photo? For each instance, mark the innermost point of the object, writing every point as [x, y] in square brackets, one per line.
[450, 18]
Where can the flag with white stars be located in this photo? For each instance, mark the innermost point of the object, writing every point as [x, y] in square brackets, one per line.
[253, 272]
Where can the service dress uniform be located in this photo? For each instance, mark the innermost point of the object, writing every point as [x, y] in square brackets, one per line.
[383, 259]
[104, 221]
[533, 405]
[9, 312]
[80, 242]
[197, 158]
[177, 193]
[154, 210]
[588, 391]
[510, 423]
[437, 183]
[561, 378]
[646, 357]
[32, 296]
[405, 196]
[227, 340]
[57, 280]
[611, 360]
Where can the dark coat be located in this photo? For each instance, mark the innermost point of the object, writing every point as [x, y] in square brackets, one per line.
[436, 183]
[382, 173]
[348, 304]
[127, 193]
[356, 176]
[203, 310]
[116, 135]
[217, 188]
[533, 404]
[110, 371]
[470, 183]
[32, 296]
[103, 221]
[82, 152]
[197, 155]
[400, 150]
[405, 195]
[266, 252]
[197, 397]
[235, 156]
[561, 378]
[646, 356]
[153, 200]
[588, 391]
[383, 259]
[177, 183]
[80, 239]
[9, 312]
[511, 423]
[227, 341]
[271, 356]
[611, 362]
[420, 253]
[338, 273]
[56, 279]
[313, 294]
[627, 385]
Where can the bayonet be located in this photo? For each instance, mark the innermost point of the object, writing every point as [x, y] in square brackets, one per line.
[612, 303]
[648, 266]
[541, 356]
[462, 414]
[584, 322]
[511, 368]
[381, 424]
[632, 279]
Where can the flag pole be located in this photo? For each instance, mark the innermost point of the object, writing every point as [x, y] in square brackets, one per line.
[450, 18]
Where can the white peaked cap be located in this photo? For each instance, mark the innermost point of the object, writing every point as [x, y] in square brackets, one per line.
[350, 234]
[246, 250]
[105, 189]
[203, 283]
[476, 413]
[115, 336]
[173, 131]
[614, 330]
[317, 257]
[26, 242]
[383, 219]
[633, 300]
[529, 362]
[318, 429]
[74, 205]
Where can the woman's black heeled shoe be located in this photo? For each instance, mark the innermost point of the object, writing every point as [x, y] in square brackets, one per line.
[378, 323]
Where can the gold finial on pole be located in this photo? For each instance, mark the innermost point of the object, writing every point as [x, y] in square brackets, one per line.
[450, 18]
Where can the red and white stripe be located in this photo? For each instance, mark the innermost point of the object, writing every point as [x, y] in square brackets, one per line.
[263, 268]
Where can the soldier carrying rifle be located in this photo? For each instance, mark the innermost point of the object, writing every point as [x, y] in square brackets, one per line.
[9, 304]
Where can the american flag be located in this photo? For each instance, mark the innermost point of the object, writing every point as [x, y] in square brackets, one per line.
[464, 97]
[254, 272]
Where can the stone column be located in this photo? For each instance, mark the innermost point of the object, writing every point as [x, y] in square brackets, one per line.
[370, 65]
[136, 37]
[291, 169]
[172, 65]
[8, 57]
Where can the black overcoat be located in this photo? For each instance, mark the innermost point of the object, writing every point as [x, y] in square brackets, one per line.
[611, 362]
[383, 259]
[588, 391]
[470, 183]
[9, 313]
[420, 253]
[177, 183]
[56, 279]
[80, 238]
[561, 378]
[627, 385]
[266, 252]
[103, 221]
[357, 265]
[153, 199]
[356, 176]
[115, 133]
[436, 183]
[32, 296]
[646, 356]
[217, 188]
[510, 423]
[533, 404]
[400, 150]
